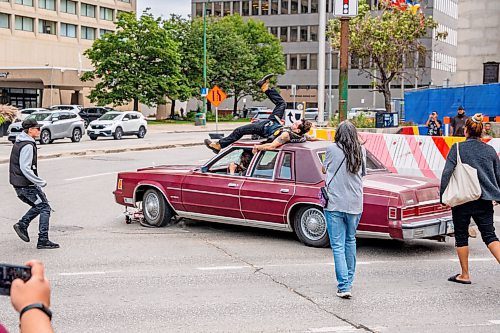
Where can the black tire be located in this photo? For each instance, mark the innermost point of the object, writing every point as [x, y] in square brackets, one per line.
[93, 137]
[85, 123]
[142, 132]
[157, 212]
[45, 137]
[309, 224]
[118, 135]
[77, 135]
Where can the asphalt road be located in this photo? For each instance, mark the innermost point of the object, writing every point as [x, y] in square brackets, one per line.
[200, 277]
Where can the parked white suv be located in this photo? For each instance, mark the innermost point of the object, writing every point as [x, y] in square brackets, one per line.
[75, 108]
[117, 124]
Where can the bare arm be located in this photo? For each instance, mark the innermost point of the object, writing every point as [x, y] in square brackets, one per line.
[313, 138]
[278, 142]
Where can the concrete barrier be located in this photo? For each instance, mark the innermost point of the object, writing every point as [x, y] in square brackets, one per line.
[413, 155]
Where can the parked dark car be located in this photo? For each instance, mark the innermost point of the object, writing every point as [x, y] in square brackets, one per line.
[93, 113]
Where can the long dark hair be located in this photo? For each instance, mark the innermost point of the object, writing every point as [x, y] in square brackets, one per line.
[346, 138]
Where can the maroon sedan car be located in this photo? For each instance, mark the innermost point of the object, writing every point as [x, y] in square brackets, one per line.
[279, 190]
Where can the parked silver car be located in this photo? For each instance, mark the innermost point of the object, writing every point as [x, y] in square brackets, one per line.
[55, 125]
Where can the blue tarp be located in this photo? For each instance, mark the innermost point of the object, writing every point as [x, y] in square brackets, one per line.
[483, 99]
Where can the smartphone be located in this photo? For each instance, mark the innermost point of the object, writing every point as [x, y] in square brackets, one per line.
[9, 273]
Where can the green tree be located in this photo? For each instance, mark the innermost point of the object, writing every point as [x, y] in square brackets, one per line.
[384, 40]
[139, 62]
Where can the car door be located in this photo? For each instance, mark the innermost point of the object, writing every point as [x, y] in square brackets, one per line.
[211, 191]
[269, 187]
[135, 122]
[126, 123]
[57, 125]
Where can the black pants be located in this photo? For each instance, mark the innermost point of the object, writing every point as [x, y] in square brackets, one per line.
[262, 128]
[482, 213]
[34, 196]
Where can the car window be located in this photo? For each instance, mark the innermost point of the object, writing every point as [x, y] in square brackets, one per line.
[110, 116]
[286, 167]
[127, 116]
[265, 165]
[64, 116]
[134, 116]
[40, 116]
[223, 162]
[72, 115]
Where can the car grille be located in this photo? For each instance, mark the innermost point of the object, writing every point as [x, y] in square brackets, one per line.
[97, 126]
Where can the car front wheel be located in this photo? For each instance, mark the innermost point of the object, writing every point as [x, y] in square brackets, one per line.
[118, 133]
[77, 135]
[157, 212]
[45, 137]
[309, 225]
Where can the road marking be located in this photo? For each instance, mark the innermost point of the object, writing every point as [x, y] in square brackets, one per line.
[92, 176]
[87, 273]
[220, 268]
[495, 322]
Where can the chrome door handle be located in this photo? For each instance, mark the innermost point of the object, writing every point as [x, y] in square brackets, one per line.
[284, 190]
[232, 185]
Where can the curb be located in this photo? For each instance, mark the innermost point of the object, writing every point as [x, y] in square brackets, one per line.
[111, 151]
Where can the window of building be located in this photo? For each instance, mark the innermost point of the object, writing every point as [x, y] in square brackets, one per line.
[274, 7]
[88, 33]
[87, 10]
[127, 1]
[293, 61]
[314, 33]
[303, 34]
[68, 30]
[217, 9]
[313, 61]
[264, 7]
[410, 60]
[304, 6]
[47, 4]
[102, 32]
[106, 14]
[198, 9]
[236, 8]
[227, 8]
[4, 21]
[24, 23]
[302, 61]
[294, 6]
[335, 60]
[293, 34]
[274, 31]
[354, 61]
[314, 6]
[284, 34]
[285, 5]
[47, 27]
[245, 8]
[68, 6]
[25, 2]
[255, 7]
[422, 59]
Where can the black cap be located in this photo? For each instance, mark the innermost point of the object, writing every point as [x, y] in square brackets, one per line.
[460, 108]
[30, 123]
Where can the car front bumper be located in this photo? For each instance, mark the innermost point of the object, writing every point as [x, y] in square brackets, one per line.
[99, 132]
[428, 228]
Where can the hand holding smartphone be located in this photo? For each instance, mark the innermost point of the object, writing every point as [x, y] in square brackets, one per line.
[8, 273]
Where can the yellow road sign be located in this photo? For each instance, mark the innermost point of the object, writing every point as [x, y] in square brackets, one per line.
[216, 96]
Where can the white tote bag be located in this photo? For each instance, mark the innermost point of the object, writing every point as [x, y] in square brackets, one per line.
[463, 186]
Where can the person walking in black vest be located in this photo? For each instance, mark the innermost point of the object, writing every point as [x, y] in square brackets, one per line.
[28, 185]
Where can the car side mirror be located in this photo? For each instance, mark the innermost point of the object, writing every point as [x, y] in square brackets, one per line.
[55, 119]
[204, 169]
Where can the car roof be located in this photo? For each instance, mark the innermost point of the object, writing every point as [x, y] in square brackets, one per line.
[308, 145]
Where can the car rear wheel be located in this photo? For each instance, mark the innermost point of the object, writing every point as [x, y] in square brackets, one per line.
[142, 132]
[45, 137]
[118, 133]
[157, 212]
[86, 123]
[309, 225]
[77, 135]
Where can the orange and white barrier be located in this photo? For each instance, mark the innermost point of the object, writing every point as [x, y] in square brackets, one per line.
[422, 156]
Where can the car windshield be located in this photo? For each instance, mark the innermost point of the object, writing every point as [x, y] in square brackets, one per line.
[372, 163]
[40, 116]
[110, 116]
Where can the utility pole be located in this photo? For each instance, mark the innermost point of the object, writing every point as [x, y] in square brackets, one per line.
[205, 9]
[344, 67]
[321, 61]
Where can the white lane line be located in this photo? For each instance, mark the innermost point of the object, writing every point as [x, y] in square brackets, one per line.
[495, 322]
[92, 176]
[88, 273]
[221, 268]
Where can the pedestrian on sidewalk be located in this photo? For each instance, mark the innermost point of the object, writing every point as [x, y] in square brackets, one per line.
[458, 122]
[433, 125]
[23, 174]
[484, 159]
[345, 166]
[263, 128]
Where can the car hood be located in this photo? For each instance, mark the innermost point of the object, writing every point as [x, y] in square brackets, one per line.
[170, 169]
[103, 122]
[411, 190]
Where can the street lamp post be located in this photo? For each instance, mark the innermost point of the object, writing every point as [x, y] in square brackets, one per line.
[205, 9]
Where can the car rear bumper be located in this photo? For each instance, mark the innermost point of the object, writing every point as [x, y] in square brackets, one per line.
[428, 229]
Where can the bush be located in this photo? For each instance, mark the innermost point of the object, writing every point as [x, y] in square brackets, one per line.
[360, 121]
[7, 113]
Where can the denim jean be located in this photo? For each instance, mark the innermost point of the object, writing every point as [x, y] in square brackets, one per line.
[342, 232]
[34, 196]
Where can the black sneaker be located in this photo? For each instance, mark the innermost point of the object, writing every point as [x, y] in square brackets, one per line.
[22, 232]
[46, 244]
[264, 79]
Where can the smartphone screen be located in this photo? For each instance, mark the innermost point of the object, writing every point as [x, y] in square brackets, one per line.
[9, 273]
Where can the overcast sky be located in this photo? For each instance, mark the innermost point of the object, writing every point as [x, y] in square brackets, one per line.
[165, 7]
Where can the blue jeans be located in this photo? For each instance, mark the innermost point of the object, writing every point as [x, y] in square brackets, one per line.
[34, 196]
[342, 232]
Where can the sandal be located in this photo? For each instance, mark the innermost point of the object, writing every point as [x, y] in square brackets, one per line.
[454, 279]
